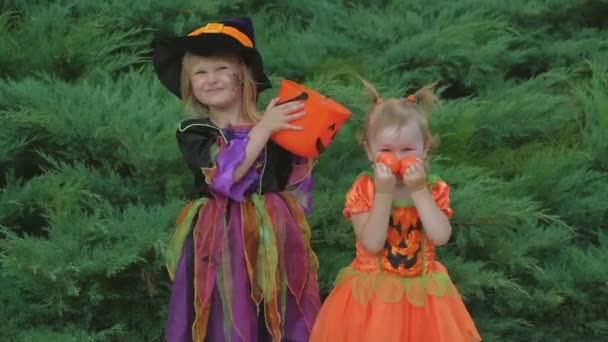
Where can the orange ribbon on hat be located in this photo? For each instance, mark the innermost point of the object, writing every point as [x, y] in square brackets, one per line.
[222, 29]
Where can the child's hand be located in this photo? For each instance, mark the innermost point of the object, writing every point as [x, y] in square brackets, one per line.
[390, 160]
[414, 177]
[384, 179]
[277, 117]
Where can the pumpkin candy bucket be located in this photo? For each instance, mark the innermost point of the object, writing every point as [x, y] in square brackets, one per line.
[323, 119]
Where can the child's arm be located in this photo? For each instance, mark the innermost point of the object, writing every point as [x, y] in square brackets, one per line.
[258, 137]
[436, 224]
[275, 118]
[371, 227]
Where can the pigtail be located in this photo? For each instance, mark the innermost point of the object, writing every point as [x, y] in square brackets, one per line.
[427, 100]
[425, 97]
[371, 90]
[373, 94]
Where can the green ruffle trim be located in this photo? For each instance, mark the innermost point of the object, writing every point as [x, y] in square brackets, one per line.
[392, 289]
[182, 229]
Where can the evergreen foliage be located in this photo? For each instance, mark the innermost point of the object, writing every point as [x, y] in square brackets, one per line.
[91, 180]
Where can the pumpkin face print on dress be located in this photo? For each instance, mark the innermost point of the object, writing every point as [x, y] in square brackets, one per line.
[404, 247]
[324, 118]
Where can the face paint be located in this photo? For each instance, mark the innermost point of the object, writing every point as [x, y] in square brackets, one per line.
[237, 81]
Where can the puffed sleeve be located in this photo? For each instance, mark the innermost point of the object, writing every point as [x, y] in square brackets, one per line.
[441, 194]
[198, 143]
[359, 197]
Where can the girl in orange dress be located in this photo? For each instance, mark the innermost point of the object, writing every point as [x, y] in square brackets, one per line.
[395, 290]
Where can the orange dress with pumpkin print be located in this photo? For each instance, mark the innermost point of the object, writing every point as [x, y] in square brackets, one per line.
[400, 294]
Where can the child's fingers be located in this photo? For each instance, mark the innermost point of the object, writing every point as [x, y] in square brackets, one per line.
[383, 168]
[380, 169]
[410, 170]
[414, 169]
[290, 107]
[294, 116]
[293, 127]
[272, 103]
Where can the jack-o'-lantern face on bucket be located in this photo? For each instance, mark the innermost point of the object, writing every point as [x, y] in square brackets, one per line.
[323, 120]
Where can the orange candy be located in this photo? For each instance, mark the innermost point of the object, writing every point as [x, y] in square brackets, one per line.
[389, 159]
[408, 161]
[397, 166]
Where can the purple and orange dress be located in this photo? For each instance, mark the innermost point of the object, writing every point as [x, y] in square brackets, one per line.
[401, 293]
[240, 258]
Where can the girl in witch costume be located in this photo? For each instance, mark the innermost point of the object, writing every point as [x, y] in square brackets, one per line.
[240, 258]
[395, 290]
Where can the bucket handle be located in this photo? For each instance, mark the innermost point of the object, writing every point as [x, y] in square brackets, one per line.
[302, 97]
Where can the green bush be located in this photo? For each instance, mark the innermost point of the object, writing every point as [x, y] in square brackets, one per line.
[91, 179]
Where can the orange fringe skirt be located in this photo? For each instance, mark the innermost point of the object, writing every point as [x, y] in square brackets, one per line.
[381, 307]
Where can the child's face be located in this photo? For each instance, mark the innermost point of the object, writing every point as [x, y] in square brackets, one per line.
[406, 140]
[217, 82]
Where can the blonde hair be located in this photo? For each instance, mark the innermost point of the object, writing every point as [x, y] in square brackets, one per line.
[399, 111]
[195, 108]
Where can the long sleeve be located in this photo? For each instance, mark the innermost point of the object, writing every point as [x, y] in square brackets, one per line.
[206, 148]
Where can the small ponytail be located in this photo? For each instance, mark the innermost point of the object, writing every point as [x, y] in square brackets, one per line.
[426, 97]
[371, 91]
